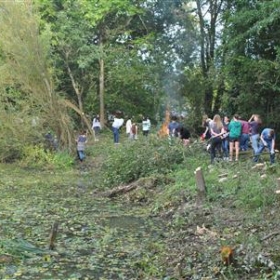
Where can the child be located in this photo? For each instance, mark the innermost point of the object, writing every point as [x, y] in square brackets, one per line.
[81, 144]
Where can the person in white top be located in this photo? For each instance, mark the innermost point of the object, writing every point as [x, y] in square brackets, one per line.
[96, 126]
[128, 126]
[146, 126]
[117, 123]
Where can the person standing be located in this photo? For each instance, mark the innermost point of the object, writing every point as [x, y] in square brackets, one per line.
[81, 145]
[267, 141]
[117, 123]
[96, 126]
[217, 130]
[128, 126]
[235, 129]
[206, 125]
[173, 127]
[255, 123]
[245, 135]
[225, 141]
[134, 131]
[146, 126]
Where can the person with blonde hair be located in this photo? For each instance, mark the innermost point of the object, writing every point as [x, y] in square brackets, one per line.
[217, 131]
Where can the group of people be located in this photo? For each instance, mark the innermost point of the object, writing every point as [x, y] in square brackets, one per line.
[176, 129]
[118, 121]
[132, 128]
[225, 136]
[231, 136]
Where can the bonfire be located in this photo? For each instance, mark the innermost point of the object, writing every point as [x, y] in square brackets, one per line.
[164, 131]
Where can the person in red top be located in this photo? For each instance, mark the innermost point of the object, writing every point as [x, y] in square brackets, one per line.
[245, 135]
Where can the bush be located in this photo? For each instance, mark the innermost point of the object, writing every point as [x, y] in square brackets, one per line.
[38, 157]
[140, 158]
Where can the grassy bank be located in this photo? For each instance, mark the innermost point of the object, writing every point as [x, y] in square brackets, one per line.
[156, 230]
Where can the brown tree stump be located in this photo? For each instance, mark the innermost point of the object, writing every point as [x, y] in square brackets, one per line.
[200, 184]
[53, 234]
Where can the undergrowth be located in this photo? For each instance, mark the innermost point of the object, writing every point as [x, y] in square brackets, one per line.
[134, 160]
[37, 156]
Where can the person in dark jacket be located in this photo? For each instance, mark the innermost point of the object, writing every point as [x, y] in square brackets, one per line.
[184, 135]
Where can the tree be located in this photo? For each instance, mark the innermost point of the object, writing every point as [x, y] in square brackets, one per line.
[252, 58]
[73, 52]
[27, 73]
[205, 18]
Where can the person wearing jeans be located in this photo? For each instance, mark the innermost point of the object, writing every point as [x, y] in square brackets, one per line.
[245, 137]
[255, 123]
[117, 123]
[267, 141]
[225, 141]
[217, 130]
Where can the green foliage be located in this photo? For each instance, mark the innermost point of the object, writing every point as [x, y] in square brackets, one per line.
[251, 37]
[140, 159]
[27, 86]
[36, 156]
[237, 190]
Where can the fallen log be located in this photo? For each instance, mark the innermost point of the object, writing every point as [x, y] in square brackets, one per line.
[258, 166]
[120, 190]
[270, 235]
[147, 183]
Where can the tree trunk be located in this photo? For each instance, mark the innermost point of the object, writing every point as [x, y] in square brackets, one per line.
[75, 85]
[207, 46]
[82, 115]
[53, 235]
[101, 85]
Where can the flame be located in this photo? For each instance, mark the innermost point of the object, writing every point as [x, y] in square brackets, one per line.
[164, 131]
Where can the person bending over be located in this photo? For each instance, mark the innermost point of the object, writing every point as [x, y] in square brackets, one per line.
[267, 141]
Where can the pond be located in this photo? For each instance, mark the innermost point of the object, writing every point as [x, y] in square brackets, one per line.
[97, 238]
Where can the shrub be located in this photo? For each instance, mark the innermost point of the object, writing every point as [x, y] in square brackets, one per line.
[38, 157]
[140, 158]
